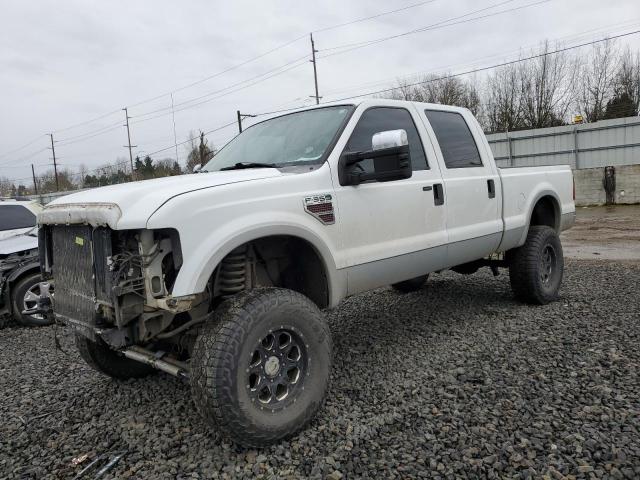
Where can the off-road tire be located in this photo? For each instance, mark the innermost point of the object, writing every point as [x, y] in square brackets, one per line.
[221, 357]
[18, 292]
[100, 357]
[411, 285]
[526, 269]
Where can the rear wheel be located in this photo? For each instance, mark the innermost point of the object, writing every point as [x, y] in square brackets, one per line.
[25, 295]
[100, 357]
[260, 370]
[411, 285]
[536, 268]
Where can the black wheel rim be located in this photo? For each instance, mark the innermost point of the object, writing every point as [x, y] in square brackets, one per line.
[547, 264]
[277, 369]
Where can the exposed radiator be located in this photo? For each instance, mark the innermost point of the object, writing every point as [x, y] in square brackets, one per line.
[79, 271]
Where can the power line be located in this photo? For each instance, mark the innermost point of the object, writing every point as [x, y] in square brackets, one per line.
[234, 67]
[373, 16]
[94, 133]
[26, 157]
[283, 45]
[28, 144]
[202, 80]
[434, 26]
[557, 41]
[481, 69]
[227, 92]
[86, 122]
[191, 139]
[187, 102]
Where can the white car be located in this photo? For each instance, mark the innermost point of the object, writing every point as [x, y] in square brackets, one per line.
[20, 288]
[220, 277]
[17, 216]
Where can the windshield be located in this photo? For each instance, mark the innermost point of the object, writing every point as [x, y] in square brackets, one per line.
[16, 216]
[295, 139]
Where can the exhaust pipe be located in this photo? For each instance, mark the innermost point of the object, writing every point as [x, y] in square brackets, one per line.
[154, 359]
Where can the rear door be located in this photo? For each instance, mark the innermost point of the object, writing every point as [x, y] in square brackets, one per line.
[392, 230]
[471, 184]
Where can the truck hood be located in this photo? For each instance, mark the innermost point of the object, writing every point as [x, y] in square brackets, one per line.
[129, 205]
[18, 243]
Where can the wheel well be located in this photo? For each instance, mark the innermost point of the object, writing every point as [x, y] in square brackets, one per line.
[546, 212]
[29, 271]
[282, 261]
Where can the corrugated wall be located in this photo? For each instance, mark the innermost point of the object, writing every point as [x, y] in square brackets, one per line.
[591, 145]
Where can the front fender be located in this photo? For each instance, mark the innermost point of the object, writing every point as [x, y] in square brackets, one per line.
[22, 269]
[200, 263]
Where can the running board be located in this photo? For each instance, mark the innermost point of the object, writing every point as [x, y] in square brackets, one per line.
[155, 360]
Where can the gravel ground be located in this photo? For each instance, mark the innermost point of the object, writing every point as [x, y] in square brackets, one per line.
[456, 380]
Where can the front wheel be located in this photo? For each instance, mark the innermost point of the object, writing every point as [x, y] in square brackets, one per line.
[25, 295]
[260, 369]
[536, 268]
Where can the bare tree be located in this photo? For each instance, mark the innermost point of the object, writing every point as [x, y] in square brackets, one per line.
[403, 91]
[547, 86]
[443, 89]
[6, 186]
[626, 88]
[47, 181]
[597, 75]
[503, 100]
[82, 174]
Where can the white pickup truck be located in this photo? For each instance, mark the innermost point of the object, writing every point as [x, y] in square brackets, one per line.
[221, 276]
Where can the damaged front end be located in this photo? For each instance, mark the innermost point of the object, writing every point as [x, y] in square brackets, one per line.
[115, 285]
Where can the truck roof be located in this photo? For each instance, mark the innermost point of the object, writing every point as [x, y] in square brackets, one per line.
[370, 102]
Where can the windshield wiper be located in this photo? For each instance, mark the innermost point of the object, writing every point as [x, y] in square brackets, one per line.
[241, 165]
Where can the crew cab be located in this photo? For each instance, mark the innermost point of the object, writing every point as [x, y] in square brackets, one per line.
[220, 277]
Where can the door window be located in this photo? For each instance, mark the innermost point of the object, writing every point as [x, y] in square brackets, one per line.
[381, 119]
[458, 147]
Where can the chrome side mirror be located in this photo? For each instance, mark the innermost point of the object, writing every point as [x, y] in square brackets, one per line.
[388, 139]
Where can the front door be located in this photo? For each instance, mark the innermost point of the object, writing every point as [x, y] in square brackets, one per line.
[390, 231]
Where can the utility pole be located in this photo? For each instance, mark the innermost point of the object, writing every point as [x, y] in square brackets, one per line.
[242, 116]
[315, 70]
[55, 165]
[126, 115]
[175, 137]
[35, 184]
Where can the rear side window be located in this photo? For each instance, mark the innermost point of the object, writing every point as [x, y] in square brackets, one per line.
[16, 216]
[381, 119]
[458, 147]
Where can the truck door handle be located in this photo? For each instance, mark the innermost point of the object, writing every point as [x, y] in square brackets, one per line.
[427, 188]
[438, 194]
[491, 186]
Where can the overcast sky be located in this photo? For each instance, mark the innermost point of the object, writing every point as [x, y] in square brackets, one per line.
[66, 62]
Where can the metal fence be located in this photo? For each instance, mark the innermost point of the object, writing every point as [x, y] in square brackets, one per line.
[589, 145]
